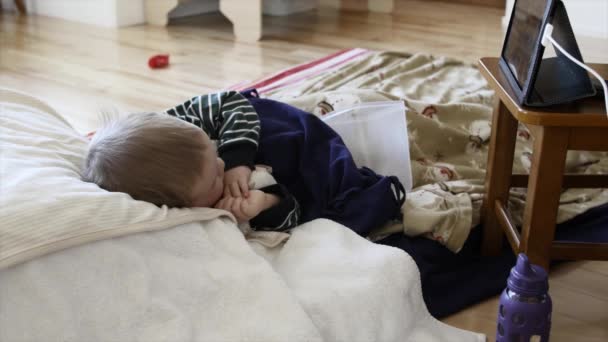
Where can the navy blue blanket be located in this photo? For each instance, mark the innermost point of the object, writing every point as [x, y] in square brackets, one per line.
[452, 282]
[310, 159]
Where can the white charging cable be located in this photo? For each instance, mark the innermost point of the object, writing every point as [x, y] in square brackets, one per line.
[545, 41]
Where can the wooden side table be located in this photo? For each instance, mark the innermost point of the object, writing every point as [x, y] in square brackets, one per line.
[582, 125]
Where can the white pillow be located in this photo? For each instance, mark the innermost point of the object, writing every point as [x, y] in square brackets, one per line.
[44, 205]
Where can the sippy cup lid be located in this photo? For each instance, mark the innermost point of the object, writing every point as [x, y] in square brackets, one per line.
[527, 279]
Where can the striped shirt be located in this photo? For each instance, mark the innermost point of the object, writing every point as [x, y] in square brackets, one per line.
[228, 118]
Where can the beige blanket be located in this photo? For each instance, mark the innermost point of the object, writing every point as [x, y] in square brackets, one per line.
[449, 119]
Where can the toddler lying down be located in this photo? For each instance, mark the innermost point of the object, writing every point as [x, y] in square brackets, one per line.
[161, 159]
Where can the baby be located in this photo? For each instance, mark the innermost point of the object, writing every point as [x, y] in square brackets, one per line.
[161, 159]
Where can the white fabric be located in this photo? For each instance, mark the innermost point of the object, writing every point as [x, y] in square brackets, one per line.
[191, 283]
[355, 290]
[198, 281]
[203, 282]
[44, 206]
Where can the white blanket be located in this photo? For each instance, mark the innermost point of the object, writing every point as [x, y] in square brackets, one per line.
[203, 282]
[78, 263]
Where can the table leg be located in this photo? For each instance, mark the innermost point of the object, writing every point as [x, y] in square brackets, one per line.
[157, 11]
[21, 7]
[246, 18]
[498, 175]
[544, 189]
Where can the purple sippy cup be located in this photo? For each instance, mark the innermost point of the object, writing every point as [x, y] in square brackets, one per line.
[524, 313]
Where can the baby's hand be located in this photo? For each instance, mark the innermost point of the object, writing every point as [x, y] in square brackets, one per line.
[244, 209]
[236, 182]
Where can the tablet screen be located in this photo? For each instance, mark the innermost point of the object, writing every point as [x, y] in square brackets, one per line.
[521, 43]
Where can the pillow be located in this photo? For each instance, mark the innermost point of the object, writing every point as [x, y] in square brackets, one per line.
[44, 205]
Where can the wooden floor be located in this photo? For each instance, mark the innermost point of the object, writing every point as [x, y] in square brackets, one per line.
[82, 70]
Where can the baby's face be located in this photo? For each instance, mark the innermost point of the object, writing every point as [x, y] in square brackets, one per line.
[210, 187]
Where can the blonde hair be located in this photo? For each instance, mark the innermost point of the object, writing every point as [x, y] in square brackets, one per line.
[152, 157]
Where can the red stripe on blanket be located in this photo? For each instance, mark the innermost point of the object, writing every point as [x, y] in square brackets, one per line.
[270, 87]
[290, 71]
[282, 78]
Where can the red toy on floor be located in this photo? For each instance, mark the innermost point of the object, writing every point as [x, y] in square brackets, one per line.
[158, 61]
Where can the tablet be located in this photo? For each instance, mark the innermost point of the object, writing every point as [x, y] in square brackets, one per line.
[534, 80]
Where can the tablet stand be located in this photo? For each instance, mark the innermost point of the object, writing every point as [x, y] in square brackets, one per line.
[558, 79]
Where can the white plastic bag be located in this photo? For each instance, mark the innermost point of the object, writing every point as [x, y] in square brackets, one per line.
[376, 135]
